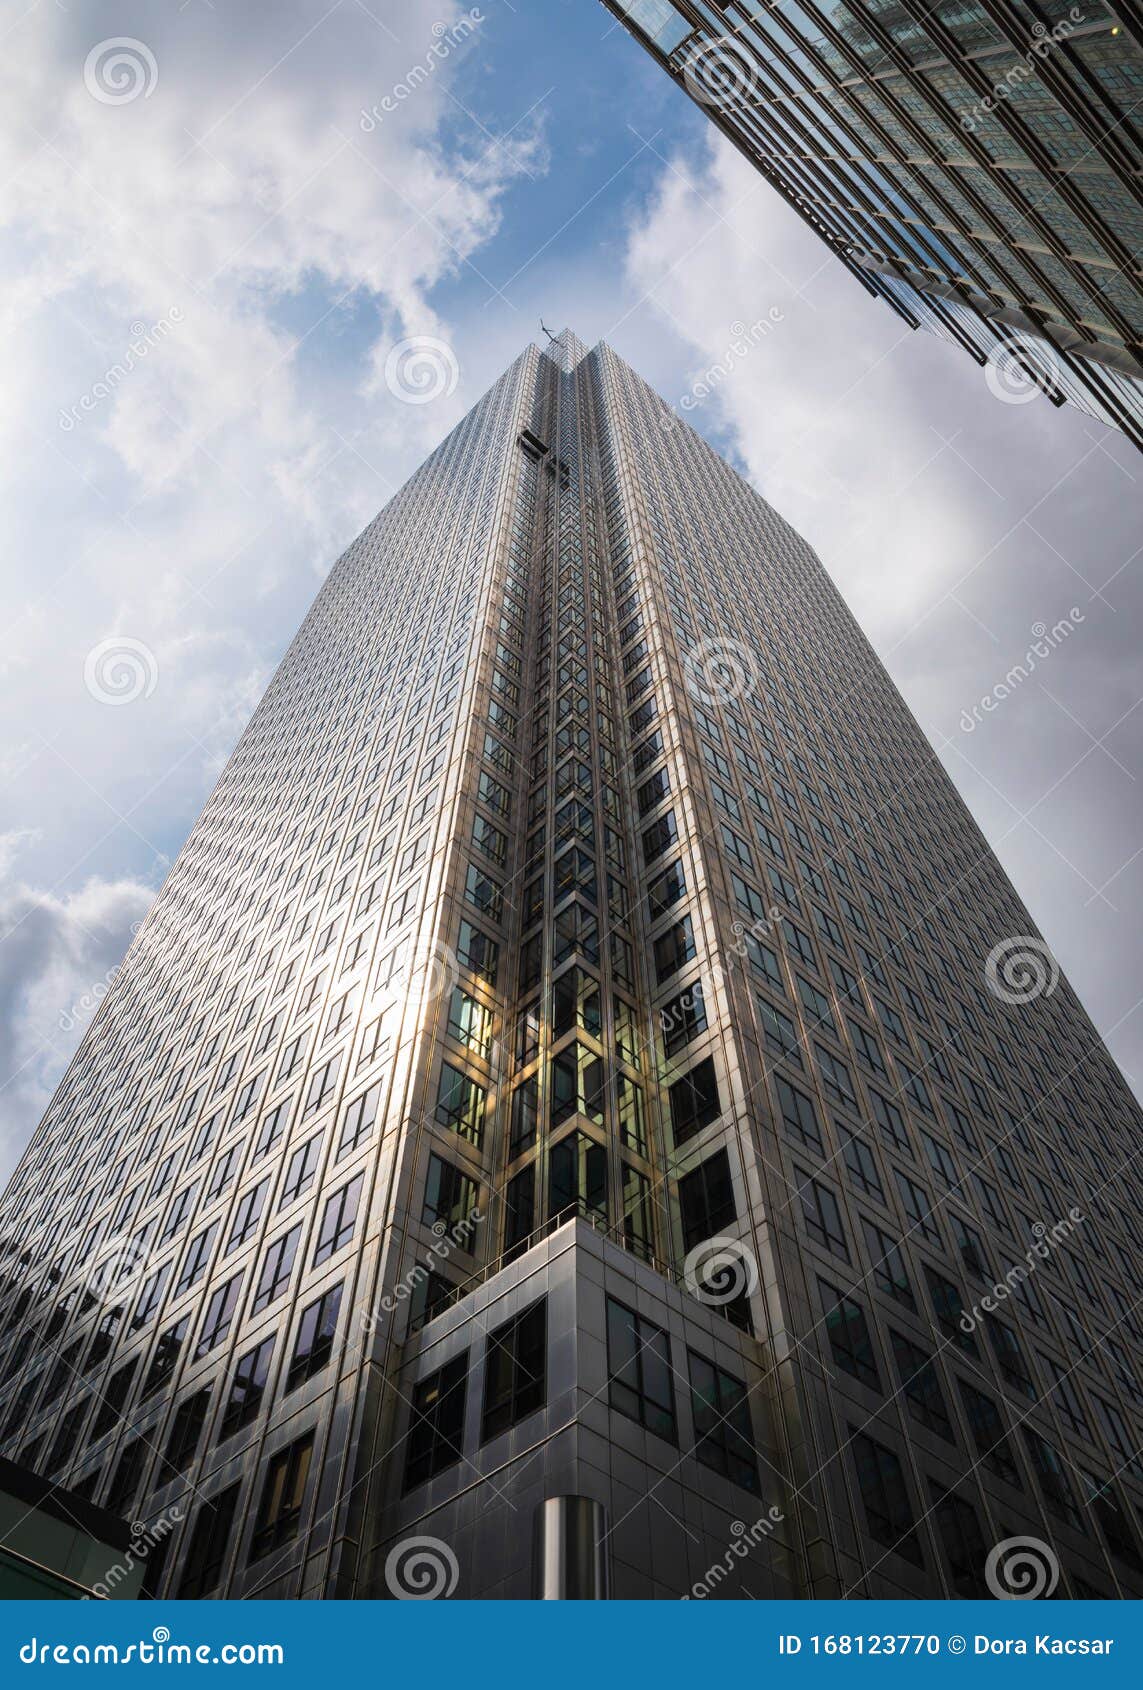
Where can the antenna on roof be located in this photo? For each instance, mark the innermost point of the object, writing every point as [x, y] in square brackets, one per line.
[547, 331]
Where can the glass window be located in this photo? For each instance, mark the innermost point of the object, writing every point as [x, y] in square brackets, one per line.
[920, 1386]
[519, 1210]
[577, 1179]
[888, 1511]
[283, 1492]
[848, 1333]
[639, 1365]
[469, 1022]
[314, 1345]
[110, 1407]
[948, 1305]
[674, 948]
[167, 1351]
[1054, 1482]
[436, 1429]
[821, 1215]
[988, 1434]
[694, 1101]
[247, 1214]
[515, 1370]
[277, 1266]
[124, 1485]
[460, 1104]
[799, 1116]
[706, 1200]
[182, 1441]
[966, 1551]
[724, 1435]
[339, 1217]
[450, 1196]
[890, 1275]
[359, 1121]
[219, 1316]
[247, 1389]
[210, 1538]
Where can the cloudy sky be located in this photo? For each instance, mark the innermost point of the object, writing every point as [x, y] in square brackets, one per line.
[245, 210]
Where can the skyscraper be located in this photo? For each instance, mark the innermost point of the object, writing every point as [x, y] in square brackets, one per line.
[586, 1113]
[975, 164]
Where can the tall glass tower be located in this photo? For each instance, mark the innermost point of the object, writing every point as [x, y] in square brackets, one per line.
[976, 163]
[587, 1113]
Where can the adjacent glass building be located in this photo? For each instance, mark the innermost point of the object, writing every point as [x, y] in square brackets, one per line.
[558, 1126]
[976, 163]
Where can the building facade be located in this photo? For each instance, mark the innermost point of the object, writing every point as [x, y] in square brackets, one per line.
[559, 1125]
[976, 164]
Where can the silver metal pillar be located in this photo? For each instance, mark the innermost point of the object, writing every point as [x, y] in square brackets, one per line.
[570, 1558]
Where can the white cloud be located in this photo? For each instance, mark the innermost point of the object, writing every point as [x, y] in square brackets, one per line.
[57, 959]
[263, 250]
[834, 430]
